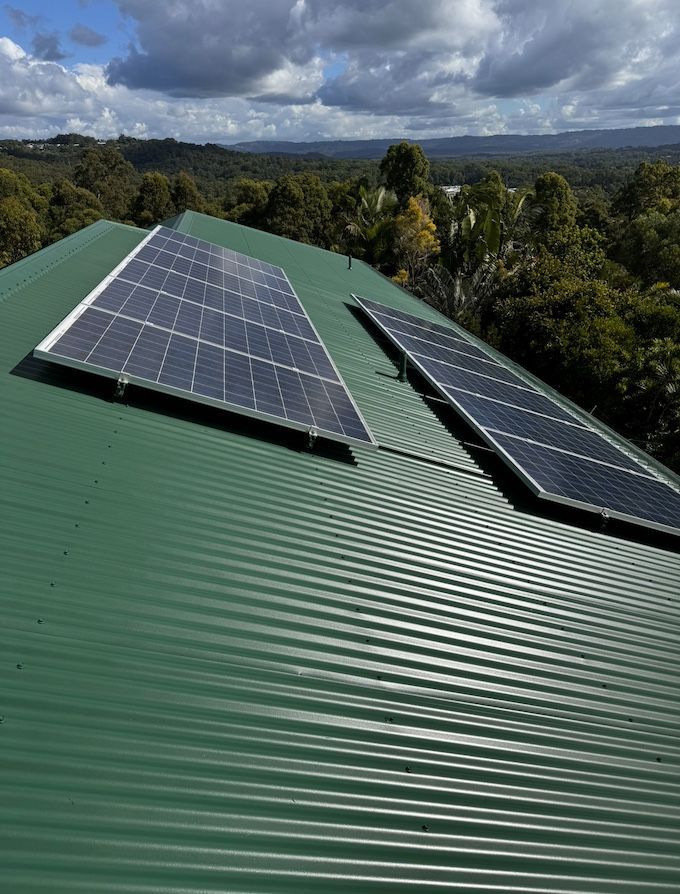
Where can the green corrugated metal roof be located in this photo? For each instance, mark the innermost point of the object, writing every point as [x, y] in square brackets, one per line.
[230, 664]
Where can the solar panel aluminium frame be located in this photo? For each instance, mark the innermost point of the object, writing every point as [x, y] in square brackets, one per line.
[42, 352]
[486, 436]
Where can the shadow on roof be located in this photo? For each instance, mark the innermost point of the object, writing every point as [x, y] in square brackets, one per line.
[186, 410]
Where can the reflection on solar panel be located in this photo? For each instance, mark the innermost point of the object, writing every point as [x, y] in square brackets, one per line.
[190, 318]
[554, 451]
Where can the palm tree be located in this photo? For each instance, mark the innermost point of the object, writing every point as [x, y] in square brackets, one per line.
[660, 383]
[368, 231]
[488, 241]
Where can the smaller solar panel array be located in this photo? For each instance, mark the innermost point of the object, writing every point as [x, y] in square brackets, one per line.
[184, 316]
[554, 451]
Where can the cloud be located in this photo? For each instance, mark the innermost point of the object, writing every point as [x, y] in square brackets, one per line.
[224, 71]
[19, 18]
[573, 44]
[47, 47]
[86, 37]
[237, 51]
[34, 89]
[203, 48]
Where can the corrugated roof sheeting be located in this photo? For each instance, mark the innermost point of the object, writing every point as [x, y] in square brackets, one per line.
[233, 665]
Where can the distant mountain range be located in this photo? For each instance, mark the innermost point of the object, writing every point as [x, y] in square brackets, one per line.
[451, 147]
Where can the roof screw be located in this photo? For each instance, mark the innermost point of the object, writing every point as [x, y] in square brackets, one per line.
[425, 828]
[20, 666]
[40, 621]
[408, 769]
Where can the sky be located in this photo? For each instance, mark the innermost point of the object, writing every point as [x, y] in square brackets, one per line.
[227, 71]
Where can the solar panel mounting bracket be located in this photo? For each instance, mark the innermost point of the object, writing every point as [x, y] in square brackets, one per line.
[312, 436]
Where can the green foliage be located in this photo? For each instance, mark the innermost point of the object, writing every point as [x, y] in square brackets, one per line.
[654, 399]
[112, 179]
[570, 335]
[655, 187]
[153, 202]
[185, 194]
[247, 201]
[485, 244]
[369, 228]
[70, 209]
[19, 230]
[650, 245]
[22, 212]
[299, 208]
[405, 170]
[556, 205]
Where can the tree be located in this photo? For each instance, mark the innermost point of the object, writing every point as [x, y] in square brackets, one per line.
[654, 187]
[70, 209]
[651, 407]
[299, 208]
[487, 242]
[368, 230]
[19, 230]
[568, 331]
[18, 185]
[185, 194]
[650, 247]
[415, 240]
[248, 201]
[154, 201]
[557, 208]
[405, 170]
[112, 179]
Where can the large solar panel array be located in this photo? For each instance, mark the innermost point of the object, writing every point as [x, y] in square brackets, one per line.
[554, 451]
[187, 317]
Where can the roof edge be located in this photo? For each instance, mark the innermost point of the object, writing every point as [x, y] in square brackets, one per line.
[38, 263]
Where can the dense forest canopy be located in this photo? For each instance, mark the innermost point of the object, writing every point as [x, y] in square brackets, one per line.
[568, 263]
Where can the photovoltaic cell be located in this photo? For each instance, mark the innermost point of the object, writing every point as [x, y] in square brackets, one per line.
[575, 478]
[555, 452]
[184, 316]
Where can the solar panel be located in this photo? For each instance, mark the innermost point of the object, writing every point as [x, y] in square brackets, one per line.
[553, 450]
[183, 316]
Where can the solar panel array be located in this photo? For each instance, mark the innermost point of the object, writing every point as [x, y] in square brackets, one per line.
[558, 455]
[187, 317]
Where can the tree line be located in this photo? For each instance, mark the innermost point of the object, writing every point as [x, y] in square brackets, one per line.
[583, 289]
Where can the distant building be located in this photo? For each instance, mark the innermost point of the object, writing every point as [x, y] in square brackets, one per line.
[451, 190]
